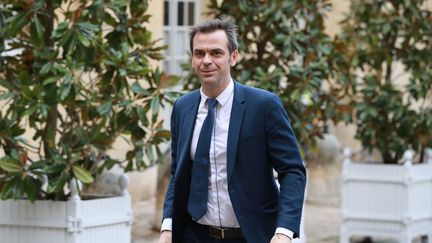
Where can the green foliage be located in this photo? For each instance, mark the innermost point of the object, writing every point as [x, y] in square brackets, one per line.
[381, 43]
[283, 49]
[75, 77]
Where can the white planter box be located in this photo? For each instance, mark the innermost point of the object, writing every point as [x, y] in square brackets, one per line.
[386, 200]
[74, 221]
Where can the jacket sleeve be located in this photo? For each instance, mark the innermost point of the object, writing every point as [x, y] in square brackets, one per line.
[286, 159]
[169, 197]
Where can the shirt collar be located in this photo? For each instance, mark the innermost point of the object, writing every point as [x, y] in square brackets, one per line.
[222, 97]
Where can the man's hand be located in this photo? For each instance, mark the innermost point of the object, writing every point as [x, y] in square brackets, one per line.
[165, 237]
[280, 238]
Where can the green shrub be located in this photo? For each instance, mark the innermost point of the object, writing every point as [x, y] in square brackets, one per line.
[75, 77]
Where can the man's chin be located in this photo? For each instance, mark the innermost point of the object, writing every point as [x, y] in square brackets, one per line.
[207, 79]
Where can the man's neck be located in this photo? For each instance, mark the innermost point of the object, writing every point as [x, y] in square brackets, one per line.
[215, 91]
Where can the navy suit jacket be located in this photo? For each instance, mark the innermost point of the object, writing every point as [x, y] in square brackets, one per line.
[260, 139]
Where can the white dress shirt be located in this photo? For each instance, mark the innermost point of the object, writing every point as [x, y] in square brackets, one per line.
[219, 208]
[220, 211]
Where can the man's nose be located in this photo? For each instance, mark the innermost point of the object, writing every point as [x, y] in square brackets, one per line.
[207, 61]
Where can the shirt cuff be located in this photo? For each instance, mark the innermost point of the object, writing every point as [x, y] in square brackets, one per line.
[166, 224]
[284, 231]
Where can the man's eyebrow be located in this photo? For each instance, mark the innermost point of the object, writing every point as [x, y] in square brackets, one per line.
[214, 49]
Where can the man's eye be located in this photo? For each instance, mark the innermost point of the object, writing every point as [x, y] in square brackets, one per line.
[198, 54]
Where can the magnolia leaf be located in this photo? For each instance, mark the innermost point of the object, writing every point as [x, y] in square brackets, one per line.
[39, 28]
[87, 27]
[57, 183]
[17, 24]
[44, 110]
[155, 105]
[108, 164]
[141, 36]
[7, 84]
[65, 90]
[122, 72]
[12, 189]
[6, 96]
[142, 116]
[139, 157]
[16, 131]
[150, 154]
[45, 68]
[83, 40]
[129, 166]
[31, 188]
[163, 134]
[38, 165]
[130, 155]
[136, 88]
[65, 37]
[50, 80]
[169, 81]
[54, 168]
[105, 108]
[10, 164]
[82, 174]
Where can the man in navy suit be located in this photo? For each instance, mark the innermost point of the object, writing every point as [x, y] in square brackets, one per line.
[250, 136]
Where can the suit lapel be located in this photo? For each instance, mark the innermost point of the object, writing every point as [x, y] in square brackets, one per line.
[236, 119]
[188, 127]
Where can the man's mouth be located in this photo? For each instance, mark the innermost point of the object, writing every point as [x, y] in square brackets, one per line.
[207, 72]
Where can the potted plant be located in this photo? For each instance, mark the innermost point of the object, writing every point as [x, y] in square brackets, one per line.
[383, 64]
[76, 77]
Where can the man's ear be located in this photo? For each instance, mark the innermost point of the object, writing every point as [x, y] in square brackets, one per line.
[234, 58]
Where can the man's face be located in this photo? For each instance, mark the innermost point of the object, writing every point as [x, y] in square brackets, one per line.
[211, 58]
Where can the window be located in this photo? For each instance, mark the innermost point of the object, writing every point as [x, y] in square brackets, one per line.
[179, 16]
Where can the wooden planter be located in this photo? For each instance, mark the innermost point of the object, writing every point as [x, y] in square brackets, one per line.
[73, 221]
[391, 201]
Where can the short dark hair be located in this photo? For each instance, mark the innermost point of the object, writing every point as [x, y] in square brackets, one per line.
[226, 24]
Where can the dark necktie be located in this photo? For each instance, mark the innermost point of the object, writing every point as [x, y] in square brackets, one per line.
[198, 194]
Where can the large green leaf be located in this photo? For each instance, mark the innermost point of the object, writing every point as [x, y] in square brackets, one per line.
[54, 168]
[31, 188]
[168, 81]
[17, 24]
[6, 83]
[56, 184]
[105, 108]
[37, 33]
[13, 188]
[10, 164]
[82, 174]
[136, 88]
[155, 105]
[165, 134]
[6, 96]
